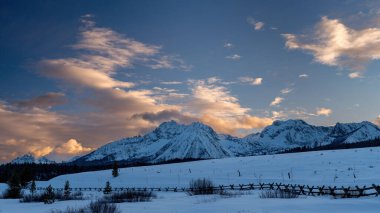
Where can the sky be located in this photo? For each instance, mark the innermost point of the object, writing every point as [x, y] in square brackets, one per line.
[75, 75]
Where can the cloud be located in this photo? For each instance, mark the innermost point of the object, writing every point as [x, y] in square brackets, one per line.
[257, 25]
[303, 76]
[278, 114]
[276, 101]
[377, 121]
[228, 45]
[33, 130]
[71, 147]
[286, 90]
[355, 75]
[335, 44]
[166, 115]
[107, 106]
[101, 52]
[252, 81]
[171, 82]
[233, 57]
[215, 106]
[44, 101]
[169, 62]
[324, 111]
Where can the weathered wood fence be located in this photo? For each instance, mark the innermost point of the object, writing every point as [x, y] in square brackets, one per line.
[343, 192]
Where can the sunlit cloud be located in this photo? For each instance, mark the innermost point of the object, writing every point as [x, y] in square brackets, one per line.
[335, 44]
[276, 101]
[257, 25]
[303, 76]
[377, 121]
[71, 147]
[233, 57]
[252, 81]
[355, 75]
[215, 106]
[324, 111]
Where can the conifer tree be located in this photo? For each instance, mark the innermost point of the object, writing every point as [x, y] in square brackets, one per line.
[33, 188]
[66, 192]
[108, 188]
[115, 170]
[49, 196]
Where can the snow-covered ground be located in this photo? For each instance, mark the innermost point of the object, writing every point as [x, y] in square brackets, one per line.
[182, 203]
[339, 167]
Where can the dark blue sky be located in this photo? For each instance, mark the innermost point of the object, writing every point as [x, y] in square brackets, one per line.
[225, 63]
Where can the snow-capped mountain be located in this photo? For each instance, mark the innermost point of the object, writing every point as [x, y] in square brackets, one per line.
[167, 142]
[29, 158]
[198, 141]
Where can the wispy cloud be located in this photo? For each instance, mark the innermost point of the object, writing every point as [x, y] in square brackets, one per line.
[228, 45]
[47, 100]
[252, 81]
[257, 25]
[324, 111]
[286, 90]
[276, 101]
[335, 44]
[234, 57]
[171, 82]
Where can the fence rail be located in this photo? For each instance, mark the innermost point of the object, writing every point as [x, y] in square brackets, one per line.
[343, 192]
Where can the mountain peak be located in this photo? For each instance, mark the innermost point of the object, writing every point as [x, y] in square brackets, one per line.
[290, 122]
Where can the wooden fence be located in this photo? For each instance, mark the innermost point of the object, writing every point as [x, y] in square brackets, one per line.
[341, 192]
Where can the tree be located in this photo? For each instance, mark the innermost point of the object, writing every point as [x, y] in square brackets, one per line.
[115, 170]
[14, 186]
[25, 176]
[33, 188]
[108, 188]
[49, 196]
[66, 192]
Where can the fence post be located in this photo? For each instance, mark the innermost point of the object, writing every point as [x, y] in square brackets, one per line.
[377, 188]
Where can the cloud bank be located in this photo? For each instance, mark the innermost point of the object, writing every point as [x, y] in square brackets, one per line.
[335, 44]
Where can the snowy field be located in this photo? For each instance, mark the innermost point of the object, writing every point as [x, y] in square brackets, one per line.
[340, 167]
[170, 202]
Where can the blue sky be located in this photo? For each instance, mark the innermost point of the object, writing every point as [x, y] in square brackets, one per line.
[75, 75]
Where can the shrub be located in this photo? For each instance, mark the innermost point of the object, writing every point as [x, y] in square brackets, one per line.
[93, 207]
[130, 196]
[202, 187]
[103, 207]
[287, 194]
[41, 197]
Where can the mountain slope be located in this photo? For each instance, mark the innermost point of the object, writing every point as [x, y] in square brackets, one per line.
[167, 142]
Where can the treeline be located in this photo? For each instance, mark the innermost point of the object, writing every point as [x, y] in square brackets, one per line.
[334, 146]
[43, 172]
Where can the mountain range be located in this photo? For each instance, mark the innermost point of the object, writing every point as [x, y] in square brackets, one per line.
[29, 158]
[171, 140]
[174, 141]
